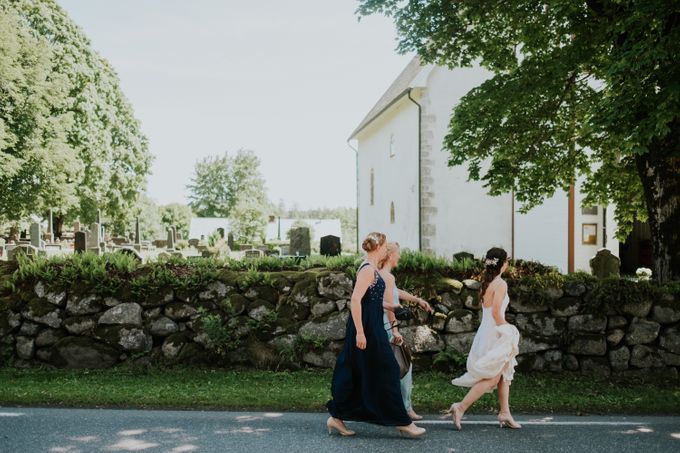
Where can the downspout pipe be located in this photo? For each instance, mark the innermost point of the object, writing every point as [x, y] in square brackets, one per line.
[420, 172]
[356, 164]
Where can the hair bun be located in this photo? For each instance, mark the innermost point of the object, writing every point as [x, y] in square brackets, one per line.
[373, 241]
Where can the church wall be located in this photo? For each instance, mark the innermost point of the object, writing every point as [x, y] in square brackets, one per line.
[395, 176]
[463, 217]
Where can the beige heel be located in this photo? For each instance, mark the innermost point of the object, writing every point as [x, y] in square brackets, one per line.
[411, 431]
[506, 420]
[333, 424]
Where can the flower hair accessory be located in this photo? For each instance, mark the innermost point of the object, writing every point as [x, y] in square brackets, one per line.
[491, 261]
[374, 237]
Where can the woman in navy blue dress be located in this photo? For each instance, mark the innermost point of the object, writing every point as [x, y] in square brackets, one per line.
[366, 376]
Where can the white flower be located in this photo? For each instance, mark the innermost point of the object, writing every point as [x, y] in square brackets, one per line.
[491, 261]
[643, 273]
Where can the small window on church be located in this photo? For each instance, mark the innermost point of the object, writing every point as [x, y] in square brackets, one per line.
[392, 148]
[392, 212]
[372, 187]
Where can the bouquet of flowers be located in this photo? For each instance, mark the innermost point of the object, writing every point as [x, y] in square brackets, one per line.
[643, 274]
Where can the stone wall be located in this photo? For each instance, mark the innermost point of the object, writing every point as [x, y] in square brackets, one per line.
[293, 319]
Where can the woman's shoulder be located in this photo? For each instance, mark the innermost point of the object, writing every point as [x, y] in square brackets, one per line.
[387, 276]
[498, 284]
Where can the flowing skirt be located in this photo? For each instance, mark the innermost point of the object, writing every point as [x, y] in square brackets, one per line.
[493, 352]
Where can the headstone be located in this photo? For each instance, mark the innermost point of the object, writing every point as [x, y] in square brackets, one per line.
[80, 242]
[132, 252]
[230, 240]
[22, 249]
[253, 253]
[94, 237]
[171, 240]
[76, 226]
[460, 256]
[160, 243]
[35, 235]
[119, 240]
[285, 250]
[604, 264]
[193, 242]
[300, 243]
[174, 234]
[99, 216]
[330, 245]
[138, 236]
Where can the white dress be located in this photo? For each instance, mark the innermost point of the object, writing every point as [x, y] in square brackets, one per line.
[493, 350]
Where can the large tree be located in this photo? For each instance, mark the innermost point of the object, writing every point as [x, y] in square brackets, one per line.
[585, 89]
[111, 153]
[39, 167]
[220, 182]
[177, 215]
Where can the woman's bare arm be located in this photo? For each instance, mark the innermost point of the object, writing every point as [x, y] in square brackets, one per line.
[364, 279]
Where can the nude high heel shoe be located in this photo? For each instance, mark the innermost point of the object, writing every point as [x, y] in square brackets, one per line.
[413, 416]
[455, 413]
[507, 420]
[333, 424]
[411, 430]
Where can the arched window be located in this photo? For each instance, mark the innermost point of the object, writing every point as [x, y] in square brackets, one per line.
[392, 212]
[372, 187]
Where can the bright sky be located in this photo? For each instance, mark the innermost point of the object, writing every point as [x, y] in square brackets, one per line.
[287, 79]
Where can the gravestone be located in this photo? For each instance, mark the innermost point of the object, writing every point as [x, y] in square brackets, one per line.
[604, 264]
[80, 242]
[253, 253]
[35, 235]
[193, 242]
[119, 240]
[460, 256]
[171, 240]
[22, 249]
[300, 243]
[131, 252]
[160, 243]
[94, 238]
[330, 245]
[76, 226]
[285, 250]
[174, 235]
[230, 240]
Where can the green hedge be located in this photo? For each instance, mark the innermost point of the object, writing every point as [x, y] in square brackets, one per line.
[108, 273]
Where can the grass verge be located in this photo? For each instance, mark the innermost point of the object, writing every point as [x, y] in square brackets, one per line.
[309, 390]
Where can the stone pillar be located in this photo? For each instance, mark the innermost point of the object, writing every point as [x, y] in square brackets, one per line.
[35, 235]
[171, 240]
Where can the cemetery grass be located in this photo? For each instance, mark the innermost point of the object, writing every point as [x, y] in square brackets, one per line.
[308, 390]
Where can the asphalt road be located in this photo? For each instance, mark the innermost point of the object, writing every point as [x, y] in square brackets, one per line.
[90, 430]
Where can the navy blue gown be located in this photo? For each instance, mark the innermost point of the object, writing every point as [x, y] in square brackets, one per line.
[365, 384]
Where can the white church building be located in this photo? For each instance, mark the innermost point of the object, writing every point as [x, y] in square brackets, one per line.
[406, 189]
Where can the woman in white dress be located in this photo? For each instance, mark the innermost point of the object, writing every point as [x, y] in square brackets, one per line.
[392, 297]
[491, 361]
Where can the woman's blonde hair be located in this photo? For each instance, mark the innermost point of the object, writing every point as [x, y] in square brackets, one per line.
[392, 248]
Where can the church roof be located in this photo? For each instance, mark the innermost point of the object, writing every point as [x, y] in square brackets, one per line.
[399, 88]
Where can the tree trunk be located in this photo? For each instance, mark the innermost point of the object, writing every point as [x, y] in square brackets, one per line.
[58, 225]
[659, 171]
